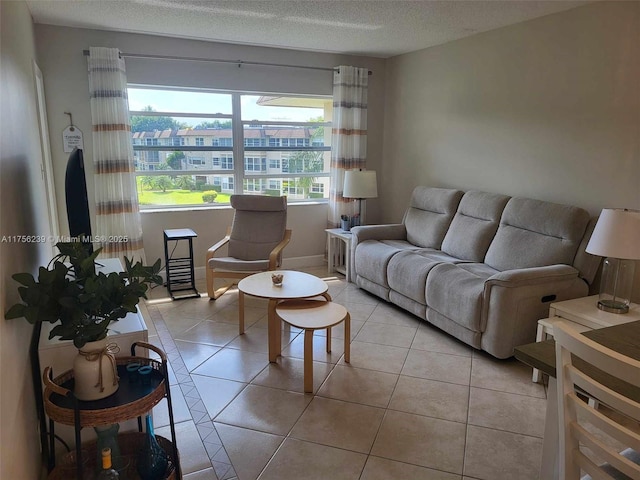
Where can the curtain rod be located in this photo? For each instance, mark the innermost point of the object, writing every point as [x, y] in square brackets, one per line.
[217, 60]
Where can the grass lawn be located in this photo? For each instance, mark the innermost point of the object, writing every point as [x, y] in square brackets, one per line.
[176, 197]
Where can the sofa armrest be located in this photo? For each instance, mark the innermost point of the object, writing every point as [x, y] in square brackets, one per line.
[396, 231]
[514, 301]
[531, 276]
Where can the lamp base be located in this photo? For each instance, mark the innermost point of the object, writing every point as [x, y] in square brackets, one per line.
[612, 306]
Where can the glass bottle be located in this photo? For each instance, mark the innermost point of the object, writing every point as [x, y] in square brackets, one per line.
[107, 472]
[152, 459]
[108, 438]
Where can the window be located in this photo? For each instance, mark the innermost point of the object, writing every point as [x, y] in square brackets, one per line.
[227, 184]
[254, 186]
[275, 185]
[274, 164]
[222, 142]
[255, 164]
[283, 142]
[255, 142]
[226, 162]
[292, 188]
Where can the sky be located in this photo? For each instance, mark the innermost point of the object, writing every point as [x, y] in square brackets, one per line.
[205, 102]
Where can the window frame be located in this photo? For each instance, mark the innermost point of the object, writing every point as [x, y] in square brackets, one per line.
[238, 149]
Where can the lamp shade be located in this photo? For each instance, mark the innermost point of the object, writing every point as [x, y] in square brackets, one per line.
[360, 184]
[617, 235]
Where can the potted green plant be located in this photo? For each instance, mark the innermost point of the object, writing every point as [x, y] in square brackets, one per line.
[82, 301]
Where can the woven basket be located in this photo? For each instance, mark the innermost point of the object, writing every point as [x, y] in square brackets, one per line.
[130, 444]
[104, 416]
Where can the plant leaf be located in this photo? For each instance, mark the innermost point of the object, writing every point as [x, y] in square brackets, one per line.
[25, 279]
[17, 311]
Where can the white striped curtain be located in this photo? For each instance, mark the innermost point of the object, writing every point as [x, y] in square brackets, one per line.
[348, 136]
[118, 228]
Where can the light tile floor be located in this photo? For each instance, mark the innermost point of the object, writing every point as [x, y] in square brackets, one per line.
[414, 403]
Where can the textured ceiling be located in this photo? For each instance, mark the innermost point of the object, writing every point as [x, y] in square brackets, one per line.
[380, 28]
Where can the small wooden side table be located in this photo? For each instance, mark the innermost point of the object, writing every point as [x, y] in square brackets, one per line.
[339, 251]
[311, 315]
[180, 271]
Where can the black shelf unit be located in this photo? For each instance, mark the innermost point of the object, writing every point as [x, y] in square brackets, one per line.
[180, 271]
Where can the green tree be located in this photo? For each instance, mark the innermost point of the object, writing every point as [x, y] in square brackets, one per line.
[145, 123]
[162, 182]
[185, 182]
[174, 160]
[308, 161]
[146, 181]
[214, 124]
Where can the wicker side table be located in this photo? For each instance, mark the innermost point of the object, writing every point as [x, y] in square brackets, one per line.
[129, 401]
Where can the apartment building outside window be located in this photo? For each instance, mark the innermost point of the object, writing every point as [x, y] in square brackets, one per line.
[283, 143]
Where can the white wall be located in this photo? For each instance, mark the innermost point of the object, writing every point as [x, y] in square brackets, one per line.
[65, 72]
[23, 212]
[548, 108]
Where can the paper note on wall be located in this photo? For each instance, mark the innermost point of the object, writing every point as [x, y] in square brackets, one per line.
[71, 138]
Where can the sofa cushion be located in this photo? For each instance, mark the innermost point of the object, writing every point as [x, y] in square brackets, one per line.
[400, 244]
[456, 292]
[407, 273]
[233, 264]
[371, 260]
[474, 225]
[430, 214]
[533, 233]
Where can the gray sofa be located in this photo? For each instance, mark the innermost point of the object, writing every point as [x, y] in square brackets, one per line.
[481, 266]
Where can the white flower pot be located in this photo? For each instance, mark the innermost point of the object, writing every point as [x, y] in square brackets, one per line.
[94, 371]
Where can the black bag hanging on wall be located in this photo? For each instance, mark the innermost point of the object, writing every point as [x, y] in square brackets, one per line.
[77, 200]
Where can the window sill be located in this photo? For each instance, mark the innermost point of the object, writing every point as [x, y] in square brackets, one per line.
[195, 208]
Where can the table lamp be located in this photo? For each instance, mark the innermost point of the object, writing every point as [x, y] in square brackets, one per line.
[617, 237]
[360, 184]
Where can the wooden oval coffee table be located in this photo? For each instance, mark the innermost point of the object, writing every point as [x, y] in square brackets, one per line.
[295, 286]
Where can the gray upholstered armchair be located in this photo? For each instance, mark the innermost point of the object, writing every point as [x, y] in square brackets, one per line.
[255, 241]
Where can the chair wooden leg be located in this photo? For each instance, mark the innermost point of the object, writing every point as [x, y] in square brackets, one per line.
[541, 333]
[328, 339]
[218, 292]
[308, 361]
[347, 338]
[241, 312]
[210, 290]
